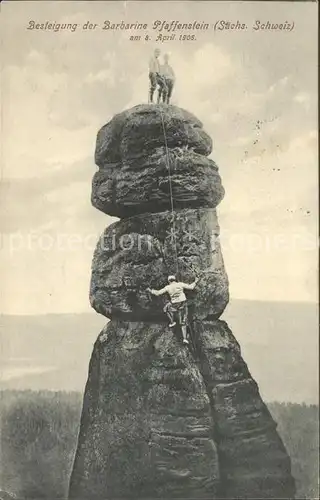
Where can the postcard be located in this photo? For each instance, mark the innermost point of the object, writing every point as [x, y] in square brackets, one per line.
[159, 250]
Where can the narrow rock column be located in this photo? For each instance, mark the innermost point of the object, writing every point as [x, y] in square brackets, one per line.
[158, 422]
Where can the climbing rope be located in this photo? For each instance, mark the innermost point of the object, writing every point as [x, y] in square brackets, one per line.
[193, 347]
[170, 189]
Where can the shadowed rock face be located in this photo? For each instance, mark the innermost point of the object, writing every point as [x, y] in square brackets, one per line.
[149, 247]
[160, 420]
[133, 155]
[143, 185]
[253, 462]
[139, 131]
[156, 424]
[147, 415]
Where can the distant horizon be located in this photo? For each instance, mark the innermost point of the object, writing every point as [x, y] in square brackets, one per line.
[278, 340]
[230, 302]
[260, 112]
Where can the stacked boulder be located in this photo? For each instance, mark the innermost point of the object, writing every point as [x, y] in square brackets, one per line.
[159, 420]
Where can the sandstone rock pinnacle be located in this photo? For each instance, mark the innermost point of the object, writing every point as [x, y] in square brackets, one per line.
[160, 420]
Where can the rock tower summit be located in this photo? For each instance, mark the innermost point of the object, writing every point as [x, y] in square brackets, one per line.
[157, 421]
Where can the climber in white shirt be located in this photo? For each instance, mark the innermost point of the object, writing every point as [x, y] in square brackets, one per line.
[178, 302]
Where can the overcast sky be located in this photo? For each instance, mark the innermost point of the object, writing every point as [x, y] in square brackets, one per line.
[255, 92]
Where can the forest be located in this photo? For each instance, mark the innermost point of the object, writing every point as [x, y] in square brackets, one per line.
[39, 435]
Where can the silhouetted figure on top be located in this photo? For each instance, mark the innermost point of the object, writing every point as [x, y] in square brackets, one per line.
[155, 77]
[168, 75]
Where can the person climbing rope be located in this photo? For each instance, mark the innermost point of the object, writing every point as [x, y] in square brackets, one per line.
[168, 75]
[156, 78]
[178, 302]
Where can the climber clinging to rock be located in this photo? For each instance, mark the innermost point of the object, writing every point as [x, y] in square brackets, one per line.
[178, 302]
[156, 78]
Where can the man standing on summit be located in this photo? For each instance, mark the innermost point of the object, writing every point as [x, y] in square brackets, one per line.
[155, 77]
[168, 75]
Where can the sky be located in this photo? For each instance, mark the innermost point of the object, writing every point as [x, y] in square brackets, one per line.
[254, 91]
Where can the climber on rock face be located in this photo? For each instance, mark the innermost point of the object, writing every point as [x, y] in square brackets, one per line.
[178, 302]
[155, 77]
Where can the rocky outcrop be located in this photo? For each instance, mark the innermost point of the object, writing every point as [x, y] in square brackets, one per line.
[160, 420]
[147, 418]
[142, 184]
[133, 152]
[253, 462]
[138, 132]
[146, 249]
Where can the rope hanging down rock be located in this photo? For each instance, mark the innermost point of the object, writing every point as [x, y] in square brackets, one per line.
[173, 232]
[191, 332]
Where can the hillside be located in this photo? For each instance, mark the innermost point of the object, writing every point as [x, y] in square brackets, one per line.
[279, 342]
[38, 452]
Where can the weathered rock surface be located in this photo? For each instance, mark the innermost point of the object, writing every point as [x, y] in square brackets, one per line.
[143, 185]
[253, 462]
[159, 420]
[146, 428]
[142, 251]
[156, 424]
[136, 132]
